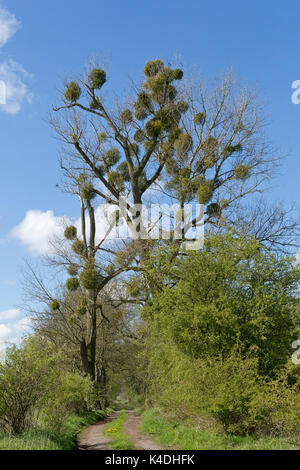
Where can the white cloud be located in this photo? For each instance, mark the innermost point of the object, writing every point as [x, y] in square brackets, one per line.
[37, 229]
[8, 25]
[13, 88]
[13, 332]
[22, 326]
[8, 315]
[16, 91]
[5, 332]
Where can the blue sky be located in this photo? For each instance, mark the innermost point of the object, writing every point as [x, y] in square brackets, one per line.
[43, 42]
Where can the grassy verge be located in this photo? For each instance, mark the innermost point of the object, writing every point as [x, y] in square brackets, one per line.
[183, 437]
[115, 430]
[43, 439]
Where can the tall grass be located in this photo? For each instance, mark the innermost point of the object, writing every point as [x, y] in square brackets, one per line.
[43, 439]
[184, 437]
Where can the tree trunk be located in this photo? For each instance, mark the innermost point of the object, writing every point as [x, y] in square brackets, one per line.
[88, 345]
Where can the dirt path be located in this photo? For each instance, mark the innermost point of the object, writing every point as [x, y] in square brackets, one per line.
[141, 441]
[92, 438]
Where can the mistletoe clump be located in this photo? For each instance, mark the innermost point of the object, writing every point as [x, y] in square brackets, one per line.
[205, 192]
[159, 82]
[182, 106]
[214, 210]
[90, 278]
[88, 192]
[122, 169]
[102, 137]
[139, 136]
[153, 128]
[241, 172]
[126, 116]
[97, 78]
[230, 149]
[73, 269]
[82, 306]
[70, 232]
[72, 284]
[78, 247]
[110, 269]
[153, 67]
[112, 157]
[199, 119]
[143, 106]
[73, 92]
[94, 104]
[183, 144]
[117, 180]
[55, 305]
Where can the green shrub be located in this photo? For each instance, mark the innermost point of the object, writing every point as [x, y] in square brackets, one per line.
[232, 291]
[70, 394]
[221, 392]
[184, 436]
[25, 378]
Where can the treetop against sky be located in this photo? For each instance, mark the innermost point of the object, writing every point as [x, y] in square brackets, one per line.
[43, 44]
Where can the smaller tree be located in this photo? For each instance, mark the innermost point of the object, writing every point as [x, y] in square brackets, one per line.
[26, 376]
[232, 292]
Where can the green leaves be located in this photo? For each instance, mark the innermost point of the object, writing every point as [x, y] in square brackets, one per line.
[230, 292]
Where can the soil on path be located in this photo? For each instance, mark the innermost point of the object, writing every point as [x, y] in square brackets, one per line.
[92, 438]
[140, 441]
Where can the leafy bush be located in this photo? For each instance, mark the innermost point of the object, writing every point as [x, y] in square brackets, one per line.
[48, 439]
[222, 392]
[71, 394]
[25, 378]
[232, 292]
[183, 436]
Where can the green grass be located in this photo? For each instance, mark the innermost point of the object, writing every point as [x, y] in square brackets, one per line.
[115, 430]
[41, 439]
[183, 437]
